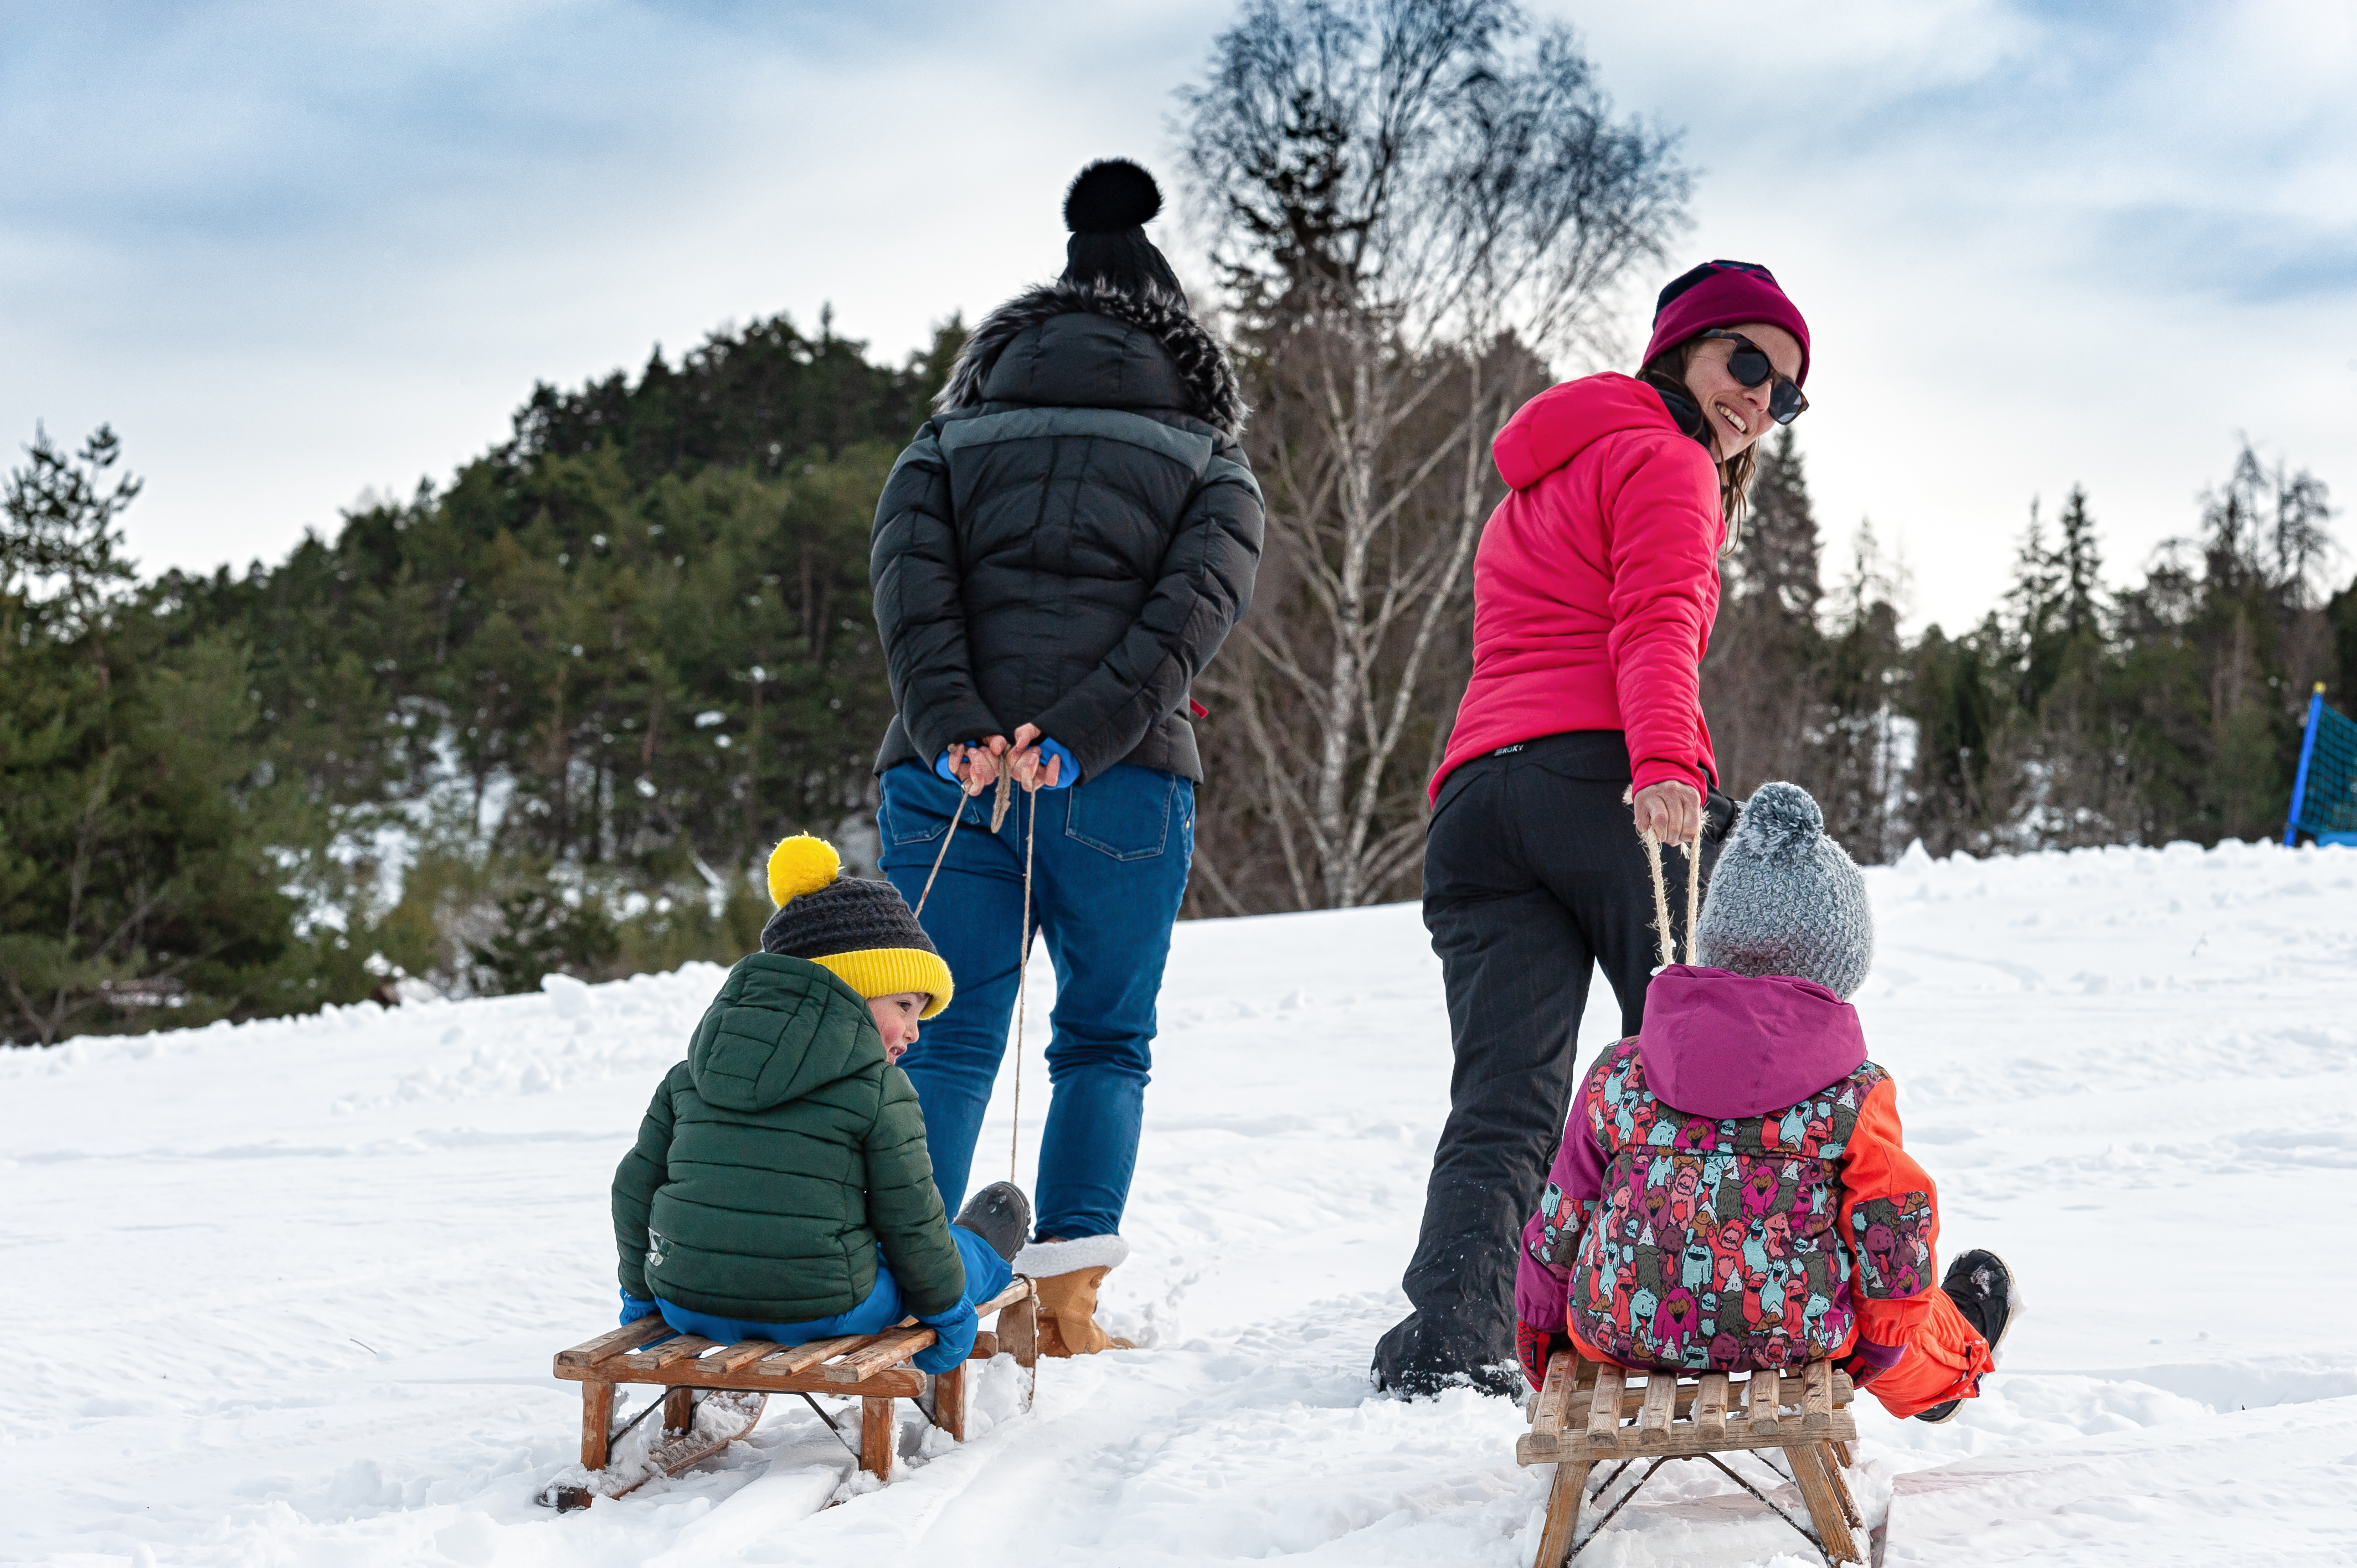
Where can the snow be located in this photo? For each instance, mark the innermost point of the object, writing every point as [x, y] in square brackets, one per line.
[286, 1293]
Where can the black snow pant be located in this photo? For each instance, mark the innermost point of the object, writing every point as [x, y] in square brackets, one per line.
[1533, 876]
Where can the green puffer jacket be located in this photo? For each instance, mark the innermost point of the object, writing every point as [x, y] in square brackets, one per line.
[777, 1157]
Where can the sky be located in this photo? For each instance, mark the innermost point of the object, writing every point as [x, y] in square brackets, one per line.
[300, 254]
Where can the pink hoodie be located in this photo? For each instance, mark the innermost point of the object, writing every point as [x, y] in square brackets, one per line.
[1596, 582]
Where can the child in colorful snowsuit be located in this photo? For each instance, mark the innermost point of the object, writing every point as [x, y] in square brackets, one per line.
[1731, 1193]
[780, 1189]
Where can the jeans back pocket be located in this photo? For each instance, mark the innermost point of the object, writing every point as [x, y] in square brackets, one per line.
[1124, 812]
[917, 804]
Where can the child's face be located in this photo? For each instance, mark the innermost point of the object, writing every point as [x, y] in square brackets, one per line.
[896, 1020]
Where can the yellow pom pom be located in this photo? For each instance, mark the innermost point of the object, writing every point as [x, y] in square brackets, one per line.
[802, 865]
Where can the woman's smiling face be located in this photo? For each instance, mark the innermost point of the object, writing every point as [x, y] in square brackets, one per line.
[1737, 413]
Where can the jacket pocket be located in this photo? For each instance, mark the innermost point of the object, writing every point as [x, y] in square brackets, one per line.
[1124, 813]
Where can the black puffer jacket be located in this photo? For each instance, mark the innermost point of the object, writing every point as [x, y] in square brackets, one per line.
[1070, 538]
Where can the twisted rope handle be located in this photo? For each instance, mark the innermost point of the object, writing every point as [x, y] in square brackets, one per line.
[1692, 852]
[957, 815]
[1660, 900]
[1693, 892]
[1023, 972]
[1023, 979]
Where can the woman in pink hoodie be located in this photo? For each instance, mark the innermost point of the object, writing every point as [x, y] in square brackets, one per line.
[1593, 590]
[1732, 1192]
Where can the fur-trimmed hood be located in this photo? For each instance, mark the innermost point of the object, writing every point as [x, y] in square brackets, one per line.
[1215, 394]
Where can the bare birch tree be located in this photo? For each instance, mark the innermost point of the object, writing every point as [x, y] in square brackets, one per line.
[1415, 204]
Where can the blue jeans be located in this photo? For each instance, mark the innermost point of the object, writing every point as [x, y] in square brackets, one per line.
[986, 1273]
[1109, 868]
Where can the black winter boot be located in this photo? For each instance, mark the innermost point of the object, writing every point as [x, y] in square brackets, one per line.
[1427, 1352]
[1001, 1216]
[1981, 1287]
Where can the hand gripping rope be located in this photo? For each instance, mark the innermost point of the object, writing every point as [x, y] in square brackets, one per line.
[998, 806]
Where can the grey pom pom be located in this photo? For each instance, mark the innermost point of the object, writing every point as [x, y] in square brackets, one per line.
[1783, 820]
[1109, 195]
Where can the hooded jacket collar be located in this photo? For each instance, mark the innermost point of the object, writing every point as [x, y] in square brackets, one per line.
[1559, 423]
[1205, 380]
[1721, 1045]
[780, 1028]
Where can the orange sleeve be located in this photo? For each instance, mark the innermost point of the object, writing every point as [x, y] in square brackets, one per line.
[1889, 1221]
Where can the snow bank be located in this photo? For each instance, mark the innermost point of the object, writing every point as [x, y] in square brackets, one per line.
[286, 1293]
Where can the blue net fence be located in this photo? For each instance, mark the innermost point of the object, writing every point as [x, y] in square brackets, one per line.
[2324, 798]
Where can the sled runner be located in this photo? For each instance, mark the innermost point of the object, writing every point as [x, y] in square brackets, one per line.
[693, 1430]
[1588, 1415]
[870, 1366]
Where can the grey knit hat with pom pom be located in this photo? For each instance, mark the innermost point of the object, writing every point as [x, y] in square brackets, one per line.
[1785, 899]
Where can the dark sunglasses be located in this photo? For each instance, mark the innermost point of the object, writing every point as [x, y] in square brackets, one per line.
[1749, 364]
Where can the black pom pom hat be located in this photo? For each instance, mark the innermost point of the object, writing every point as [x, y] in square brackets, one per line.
[1111, 193]
[1108, 208]
[861, 931]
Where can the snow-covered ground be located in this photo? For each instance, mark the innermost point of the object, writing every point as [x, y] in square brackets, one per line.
[288, 1293]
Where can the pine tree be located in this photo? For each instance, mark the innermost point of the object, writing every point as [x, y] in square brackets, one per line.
[137, 884]
[1761, 676]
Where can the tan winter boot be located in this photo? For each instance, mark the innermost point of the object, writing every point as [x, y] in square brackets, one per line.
[1068, 1274]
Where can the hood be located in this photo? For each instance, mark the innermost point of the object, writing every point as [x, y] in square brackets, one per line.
[1124, 350]
[1564, 420]
[780, 1028]
[1722, 1045]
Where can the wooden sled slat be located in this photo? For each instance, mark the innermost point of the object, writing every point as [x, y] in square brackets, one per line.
[791, 1361]
[1816, 1397]
[1554, 1395]
[1604, 1409]
[613, 1342]
[736, 1355]
[654, 1358]
[1653, 1417]
[1710, 1404]
[886, 1349]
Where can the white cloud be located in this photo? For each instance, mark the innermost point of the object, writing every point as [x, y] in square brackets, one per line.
[294, 253]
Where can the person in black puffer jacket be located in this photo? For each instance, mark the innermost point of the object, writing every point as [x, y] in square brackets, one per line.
[1064, 546]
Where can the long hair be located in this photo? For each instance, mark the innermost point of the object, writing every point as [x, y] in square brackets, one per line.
[1665, 373]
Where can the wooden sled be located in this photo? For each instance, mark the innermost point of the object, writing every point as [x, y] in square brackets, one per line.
[869, 1366]
[1589, 1414]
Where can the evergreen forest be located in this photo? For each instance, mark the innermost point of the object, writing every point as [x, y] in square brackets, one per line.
[550, 716]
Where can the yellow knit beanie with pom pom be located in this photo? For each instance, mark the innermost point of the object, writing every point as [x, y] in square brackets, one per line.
[861, 931]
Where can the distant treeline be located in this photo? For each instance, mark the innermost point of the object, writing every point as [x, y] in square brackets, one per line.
[541, 719]
[550, 716]
[2070, 715]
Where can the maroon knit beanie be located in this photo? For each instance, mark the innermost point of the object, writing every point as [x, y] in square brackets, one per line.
[1724, 293]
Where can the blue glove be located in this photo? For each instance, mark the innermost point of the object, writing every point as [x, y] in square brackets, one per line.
[941, 767]
[954, 1339]
[1069, 774]
[633, 1308]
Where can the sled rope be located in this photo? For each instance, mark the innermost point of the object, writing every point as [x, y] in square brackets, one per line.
[1692, 852]
[998, 807]
[957, 815]
[1023, 978]
[1693, 892]
[1660, 900]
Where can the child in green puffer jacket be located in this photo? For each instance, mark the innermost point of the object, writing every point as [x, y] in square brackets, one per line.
[780, 1189]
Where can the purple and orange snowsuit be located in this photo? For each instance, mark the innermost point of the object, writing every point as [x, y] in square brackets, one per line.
[1731, 1194]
